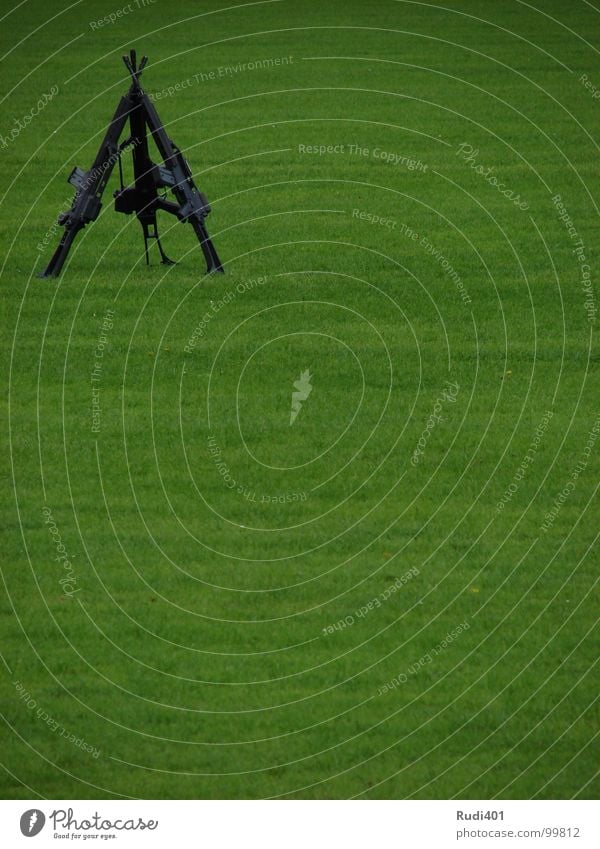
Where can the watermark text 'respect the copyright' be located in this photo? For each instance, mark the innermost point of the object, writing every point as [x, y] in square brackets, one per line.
[388, 156]
[117, 14]
[589, 303]
[247, 492]
[96, 376]
[576, 471]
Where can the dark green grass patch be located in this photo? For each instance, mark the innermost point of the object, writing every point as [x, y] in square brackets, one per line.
[393, 596]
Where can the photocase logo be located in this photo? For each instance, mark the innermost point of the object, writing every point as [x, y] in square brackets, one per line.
[303, 389]
[32, 822]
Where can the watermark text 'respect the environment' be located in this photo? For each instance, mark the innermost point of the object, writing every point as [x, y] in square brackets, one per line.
[438, 256]
[222, 72]
[90, 177]
[372, 218]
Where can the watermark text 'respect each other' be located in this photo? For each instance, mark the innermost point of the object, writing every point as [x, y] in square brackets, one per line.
[216, 307]
[372, 604]
[53, 724]
[424, 660]
[526, 462]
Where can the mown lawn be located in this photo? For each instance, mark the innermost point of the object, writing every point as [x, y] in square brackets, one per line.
[254, 609]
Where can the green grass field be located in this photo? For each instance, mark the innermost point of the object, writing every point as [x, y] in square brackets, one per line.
[393, 596]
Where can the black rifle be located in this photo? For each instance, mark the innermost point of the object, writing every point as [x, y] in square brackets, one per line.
[142, 197]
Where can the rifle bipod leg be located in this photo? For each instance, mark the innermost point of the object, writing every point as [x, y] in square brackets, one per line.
[153, 234]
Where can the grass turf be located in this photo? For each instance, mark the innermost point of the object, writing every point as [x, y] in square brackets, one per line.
[257, 609]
